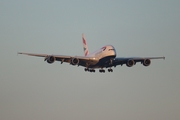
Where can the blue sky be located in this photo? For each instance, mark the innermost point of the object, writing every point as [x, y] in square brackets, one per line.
[32, 89]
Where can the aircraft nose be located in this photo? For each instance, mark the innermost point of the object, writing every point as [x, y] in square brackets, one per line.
[114, 52]
[114, 49]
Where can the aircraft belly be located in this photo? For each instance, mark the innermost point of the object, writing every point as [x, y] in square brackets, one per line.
[93, 62]
[104, 62]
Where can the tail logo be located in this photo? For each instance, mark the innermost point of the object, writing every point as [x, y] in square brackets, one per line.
[85, 47]
[84, 41]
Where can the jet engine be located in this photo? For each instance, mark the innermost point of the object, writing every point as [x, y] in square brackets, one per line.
[50, 59]
[130, 63]
[146, 62]
[74, 61]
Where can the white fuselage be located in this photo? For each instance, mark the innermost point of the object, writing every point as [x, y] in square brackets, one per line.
[102, 55]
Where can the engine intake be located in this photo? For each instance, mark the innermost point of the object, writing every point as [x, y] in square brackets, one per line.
[50, 59]
[130, 63]
[146, 62]
[74, 61]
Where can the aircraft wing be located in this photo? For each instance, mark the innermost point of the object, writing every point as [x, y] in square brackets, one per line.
[133, 60]
[74, 60]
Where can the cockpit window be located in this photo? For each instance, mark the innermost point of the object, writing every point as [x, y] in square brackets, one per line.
[111, 49]
[103, 48]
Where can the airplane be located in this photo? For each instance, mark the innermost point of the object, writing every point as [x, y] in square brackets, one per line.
[104, 57]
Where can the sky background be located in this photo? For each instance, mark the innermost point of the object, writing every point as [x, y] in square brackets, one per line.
[31, 89]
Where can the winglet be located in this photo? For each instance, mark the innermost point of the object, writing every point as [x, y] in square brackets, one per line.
[19, 53]
[85, 47]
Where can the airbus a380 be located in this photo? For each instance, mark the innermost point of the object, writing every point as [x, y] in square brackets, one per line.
[104, 57]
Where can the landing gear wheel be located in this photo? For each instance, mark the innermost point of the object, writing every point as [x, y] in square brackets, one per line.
[110, 70]
[86, 69]
[92, 70]
[102, 71]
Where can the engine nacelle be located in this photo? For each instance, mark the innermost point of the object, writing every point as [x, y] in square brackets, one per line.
[146, 62]
[130, 63]
[50, 59]
[75, 61]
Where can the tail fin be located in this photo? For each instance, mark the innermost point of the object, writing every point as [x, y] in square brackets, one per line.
[85, 47]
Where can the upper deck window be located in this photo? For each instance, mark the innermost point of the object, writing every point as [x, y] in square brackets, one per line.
[111, 49]
[103, 48]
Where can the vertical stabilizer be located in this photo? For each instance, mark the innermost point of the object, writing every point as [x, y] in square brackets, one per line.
[85, 47]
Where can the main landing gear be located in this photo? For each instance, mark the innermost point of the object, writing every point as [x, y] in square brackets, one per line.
[90, 70]
[110, 70]
[100, 70]
[103, 71]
